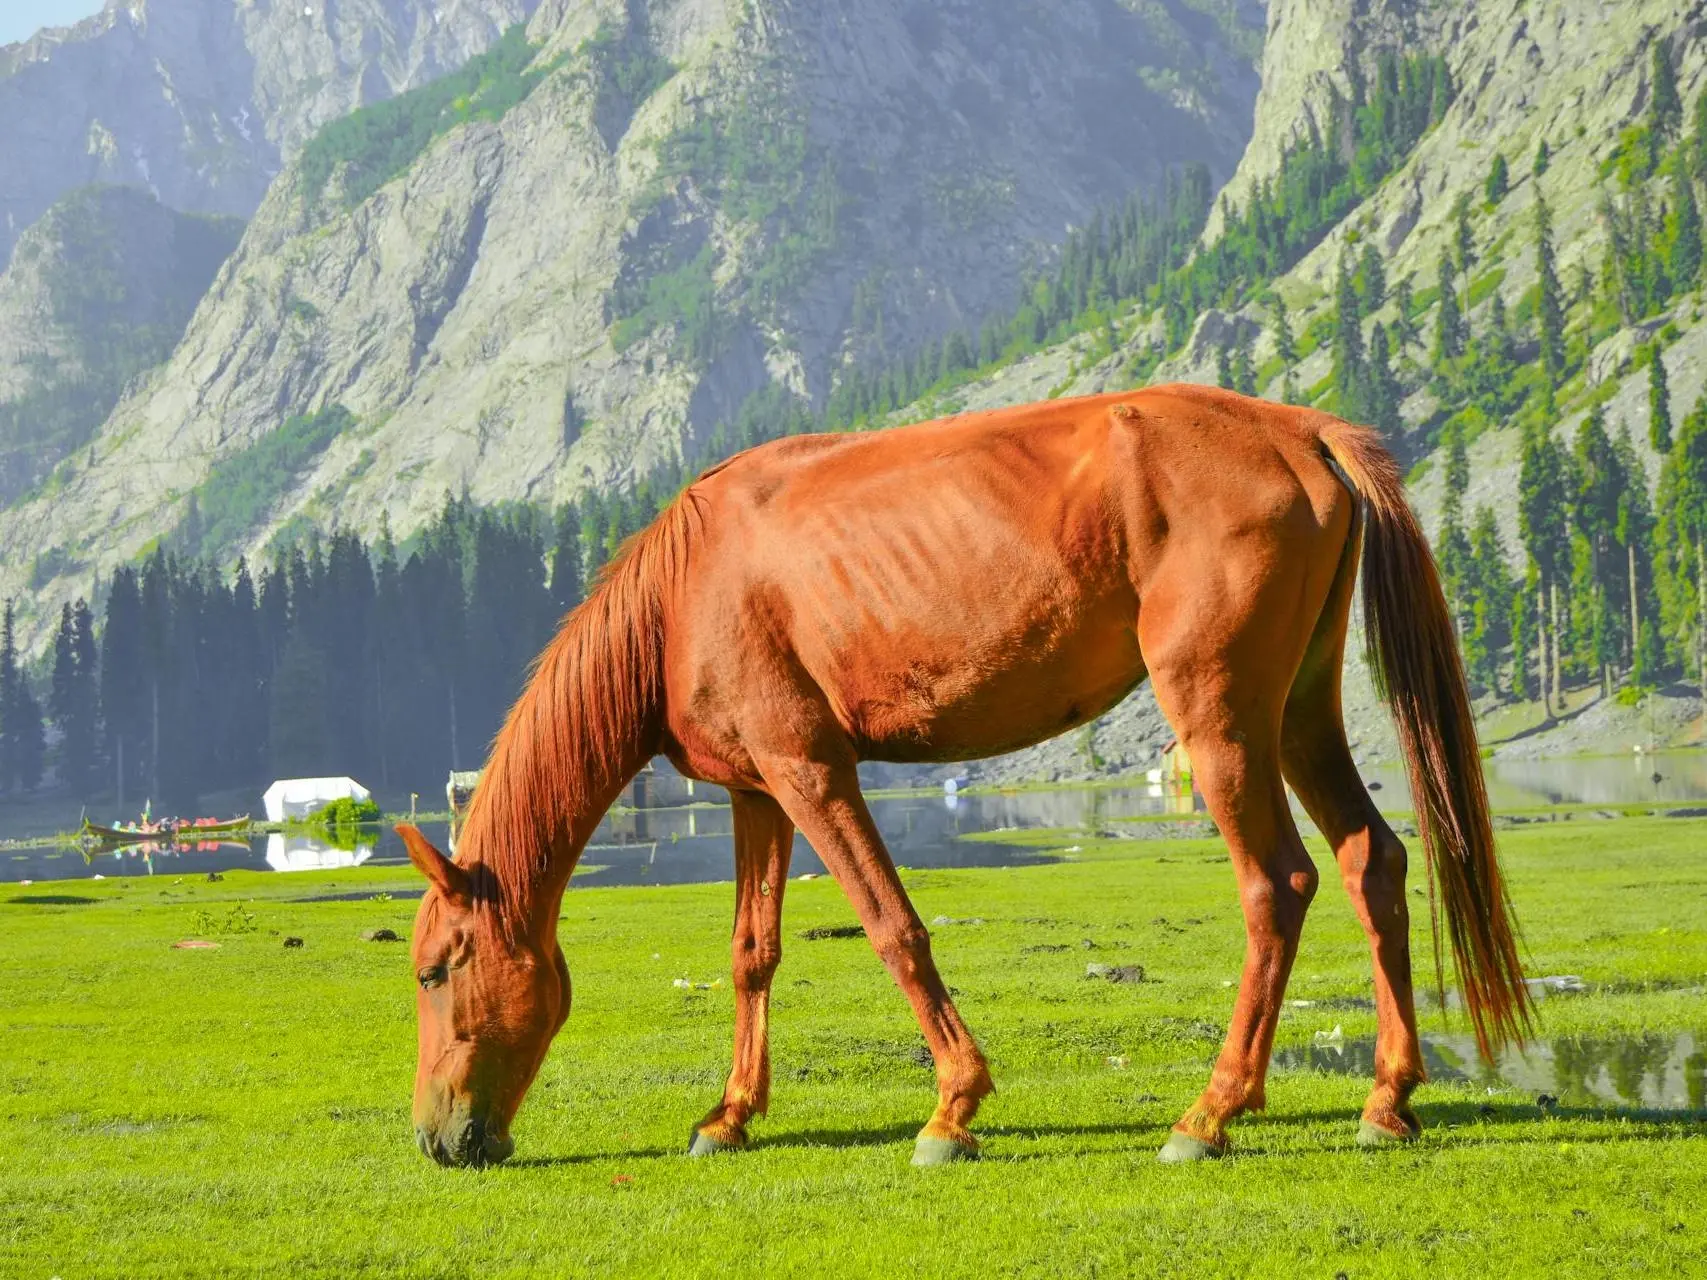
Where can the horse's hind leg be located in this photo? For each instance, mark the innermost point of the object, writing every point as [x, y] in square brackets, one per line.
[1226, 710]
[1240, 781]
[1319, 766]
[764, 840]
[1223, 639]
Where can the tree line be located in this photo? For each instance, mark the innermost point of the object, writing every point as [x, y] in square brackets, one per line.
[389, 663]
[1608, 587]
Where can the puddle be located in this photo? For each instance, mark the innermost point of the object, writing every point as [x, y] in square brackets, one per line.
[1657, 1072]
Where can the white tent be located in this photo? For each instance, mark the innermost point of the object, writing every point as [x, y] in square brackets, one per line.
[298, 797]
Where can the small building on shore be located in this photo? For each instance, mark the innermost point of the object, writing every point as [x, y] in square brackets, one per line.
[295, 798]
[459, 791]
[1173, 766]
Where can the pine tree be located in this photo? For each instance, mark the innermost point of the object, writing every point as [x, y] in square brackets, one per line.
[1244, 370]
[1224, 366]
[124, 700]
[1371, 279]
[1490, 602]
[1665, 108]
[1382, 388]
[297, 715]
[1440, 93]
[1550, 308]
[1347, 351]
[1683, 536]
[1696, 155]
[1404, 324]
[1541, 522]
[1543, 158]
[1683, 261]
[1499, 178]
[1633, 529]
[11, 706]
[1453, 547]
[1463, 237]
[1449, 326]
[566, 587]
[1285, 350]
[1598, 485]
[1659, 402]
[71, 701]
[22, 746]
[190, 528]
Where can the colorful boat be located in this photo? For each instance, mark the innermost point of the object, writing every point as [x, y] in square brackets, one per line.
[166, 830]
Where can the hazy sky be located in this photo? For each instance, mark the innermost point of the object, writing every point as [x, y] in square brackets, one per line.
[21, 19]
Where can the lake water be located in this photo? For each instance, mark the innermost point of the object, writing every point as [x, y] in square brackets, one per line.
[673, 843]
[1660, 1072]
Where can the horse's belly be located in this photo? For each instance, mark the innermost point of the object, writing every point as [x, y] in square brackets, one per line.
[978, 707]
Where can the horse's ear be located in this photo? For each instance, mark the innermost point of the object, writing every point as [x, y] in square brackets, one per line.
[448, 878]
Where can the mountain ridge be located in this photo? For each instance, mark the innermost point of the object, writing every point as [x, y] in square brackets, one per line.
[521, 310]
[201, 102]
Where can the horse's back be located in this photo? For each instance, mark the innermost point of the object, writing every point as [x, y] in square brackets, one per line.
[970, 585]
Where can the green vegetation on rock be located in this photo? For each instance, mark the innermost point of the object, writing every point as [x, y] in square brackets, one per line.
[244, 487]
[377, 143]
[100, 290]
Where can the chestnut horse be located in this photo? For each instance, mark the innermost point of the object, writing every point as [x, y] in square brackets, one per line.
[957, 589]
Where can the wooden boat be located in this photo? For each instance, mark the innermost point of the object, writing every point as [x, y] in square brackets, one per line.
[163, 830]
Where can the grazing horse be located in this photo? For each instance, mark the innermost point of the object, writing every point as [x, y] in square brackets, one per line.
[956, 589]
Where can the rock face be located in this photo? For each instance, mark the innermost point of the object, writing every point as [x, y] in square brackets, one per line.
[202, 101]
[99, 289]
[588, 260]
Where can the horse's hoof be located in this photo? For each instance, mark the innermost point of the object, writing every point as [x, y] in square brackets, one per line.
[1181, 1148]
[704, 1144]
[1371, 1136]
[929, 1150]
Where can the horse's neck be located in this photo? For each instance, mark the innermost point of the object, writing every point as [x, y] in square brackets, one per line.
[588, 720]
[539, 900]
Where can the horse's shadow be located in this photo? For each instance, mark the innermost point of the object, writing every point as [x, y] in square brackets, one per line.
[1646, 1125]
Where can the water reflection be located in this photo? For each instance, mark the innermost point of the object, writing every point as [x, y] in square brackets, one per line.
[674, 831]
[292, 852]
[1661, 1072]
[1610, 780]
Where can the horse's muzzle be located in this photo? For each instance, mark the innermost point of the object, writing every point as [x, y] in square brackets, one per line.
[471, 1145]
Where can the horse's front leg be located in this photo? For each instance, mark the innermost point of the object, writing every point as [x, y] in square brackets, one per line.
[825, 800]
[764, 838]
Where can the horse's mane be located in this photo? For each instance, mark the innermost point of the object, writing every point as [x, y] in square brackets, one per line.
[589, 716]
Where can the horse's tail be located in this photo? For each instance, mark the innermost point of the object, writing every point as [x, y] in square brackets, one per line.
[1413, 656]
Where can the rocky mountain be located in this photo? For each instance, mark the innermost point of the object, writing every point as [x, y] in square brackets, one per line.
[99, 289]
[574, 257]
[201, 102]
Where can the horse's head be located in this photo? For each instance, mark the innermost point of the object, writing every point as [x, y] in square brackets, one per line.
[488, 999]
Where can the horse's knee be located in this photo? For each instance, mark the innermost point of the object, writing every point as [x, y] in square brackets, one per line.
[903, 949]
[756, 960]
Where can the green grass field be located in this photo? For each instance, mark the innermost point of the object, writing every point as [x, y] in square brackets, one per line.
[244, 1110]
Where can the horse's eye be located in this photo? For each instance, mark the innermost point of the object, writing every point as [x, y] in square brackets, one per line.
[431, 976]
